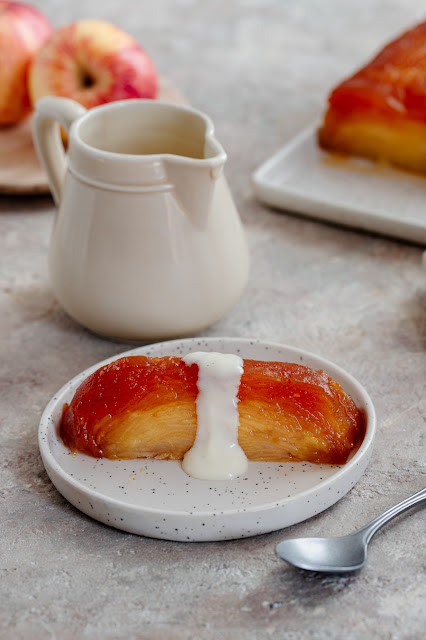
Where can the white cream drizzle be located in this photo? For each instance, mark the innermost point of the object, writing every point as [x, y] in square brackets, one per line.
[216, 454]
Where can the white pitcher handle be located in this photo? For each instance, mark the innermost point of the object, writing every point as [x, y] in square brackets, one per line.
[49, 111]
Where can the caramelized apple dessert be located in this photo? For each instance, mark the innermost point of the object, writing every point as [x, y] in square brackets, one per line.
[380, 111]
[141, 407]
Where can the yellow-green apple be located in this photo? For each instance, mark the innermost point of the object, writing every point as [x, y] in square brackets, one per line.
[23, 30]
[92, 62]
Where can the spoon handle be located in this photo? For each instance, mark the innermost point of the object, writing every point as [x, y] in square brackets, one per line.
[372, 527]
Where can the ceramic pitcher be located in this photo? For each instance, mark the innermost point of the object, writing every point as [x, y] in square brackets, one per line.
[147, 242]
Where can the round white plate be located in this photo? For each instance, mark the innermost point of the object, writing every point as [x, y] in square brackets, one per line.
[156, 498]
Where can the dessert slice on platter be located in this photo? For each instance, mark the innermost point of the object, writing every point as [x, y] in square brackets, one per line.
[380, 111]
[140, 407]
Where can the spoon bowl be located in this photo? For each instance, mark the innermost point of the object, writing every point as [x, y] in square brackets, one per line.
[344, 554]
[333, 555]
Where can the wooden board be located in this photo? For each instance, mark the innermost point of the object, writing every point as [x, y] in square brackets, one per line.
[20, 169]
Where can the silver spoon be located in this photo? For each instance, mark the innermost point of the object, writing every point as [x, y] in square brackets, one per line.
[340, 555]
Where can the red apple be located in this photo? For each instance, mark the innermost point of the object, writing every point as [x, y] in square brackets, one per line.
[23, 30]
[92, 62]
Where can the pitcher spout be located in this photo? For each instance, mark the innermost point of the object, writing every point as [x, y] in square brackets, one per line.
[194, 180]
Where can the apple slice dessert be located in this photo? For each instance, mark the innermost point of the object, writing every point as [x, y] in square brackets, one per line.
[380, 111]
[141, 407]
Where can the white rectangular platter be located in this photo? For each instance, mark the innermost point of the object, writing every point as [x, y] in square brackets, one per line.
[302, 178]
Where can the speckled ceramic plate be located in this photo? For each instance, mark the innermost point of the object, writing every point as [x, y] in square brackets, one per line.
[157, 499]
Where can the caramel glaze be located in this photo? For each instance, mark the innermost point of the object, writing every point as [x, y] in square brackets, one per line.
[392, 85]
[140, 407]
[380, 111]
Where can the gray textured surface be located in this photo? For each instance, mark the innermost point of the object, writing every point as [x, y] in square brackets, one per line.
[261, 69]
